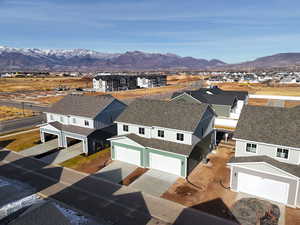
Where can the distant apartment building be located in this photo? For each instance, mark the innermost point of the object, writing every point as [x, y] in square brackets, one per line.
[118, 82]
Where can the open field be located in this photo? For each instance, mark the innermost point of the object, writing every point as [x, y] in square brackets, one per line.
[178, 79]
[21, 141]
[44, 84]
[263, 89]
[89, 164]
[9, 113]
[290, 104]
[258, 101]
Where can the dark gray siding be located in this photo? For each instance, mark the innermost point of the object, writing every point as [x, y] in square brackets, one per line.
[109, 115]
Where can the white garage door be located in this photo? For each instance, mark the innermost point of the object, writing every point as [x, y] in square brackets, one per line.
[262, 187]
[164, 163]
[127, 155]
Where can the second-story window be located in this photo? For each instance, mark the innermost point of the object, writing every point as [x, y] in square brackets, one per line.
[86, 123]
[74, 120]
[282, 153]
[125, 128]
[62, 119]
[51, 117]
[180, 137]
[160, 133]
[141, 130]
[251, 148]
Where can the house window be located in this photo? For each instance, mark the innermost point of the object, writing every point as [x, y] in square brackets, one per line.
[141, 130]
[86, 123]
[62, 119]
[125, 128]
[282, 153]
[74, 120]
[251, 148]
[180, 137]
[160, 133]
[51, 117]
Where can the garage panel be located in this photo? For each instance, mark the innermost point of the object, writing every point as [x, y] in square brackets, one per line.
[263, 187]
[165, 163]
[127, 155]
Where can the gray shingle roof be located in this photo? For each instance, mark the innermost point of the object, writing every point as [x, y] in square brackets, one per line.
[290, 168]
[273, 125]
[72, 129]
[45, 214]
[81, 105]
[168, 146]
[218, 99]
[174, 115]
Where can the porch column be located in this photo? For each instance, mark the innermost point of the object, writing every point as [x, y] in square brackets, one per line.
[42, 136]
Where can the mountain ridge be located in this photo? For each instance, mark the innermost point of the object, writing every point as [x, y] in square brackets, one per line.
[90, 60]
[83, 59]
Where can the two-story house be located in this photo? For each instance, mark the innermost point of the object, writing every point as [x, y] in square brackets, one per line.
[88, 119]
[168, 136]
[226, 104]
[267, 154]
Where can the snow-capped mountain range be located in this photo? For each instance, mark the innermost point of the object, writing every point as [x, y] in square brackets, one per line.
[89, 60]
[37, 52]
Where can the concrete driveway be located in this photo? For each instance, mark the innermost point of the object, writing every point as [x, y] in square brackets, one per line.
[154, 182]
[41, 148]
[116, 171]
[63, 155]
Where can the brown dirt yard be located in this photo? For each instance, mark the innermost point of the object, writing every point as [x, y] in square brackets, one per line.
[202, 189]
[10, 113]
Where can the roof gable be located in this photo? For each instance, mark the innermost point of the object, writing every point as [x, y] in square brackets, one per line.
[171, 114]
[81, 105]
[271, 125]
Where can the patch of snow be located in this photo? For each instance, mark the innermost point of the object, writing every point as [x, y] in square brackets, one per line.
[19, 204]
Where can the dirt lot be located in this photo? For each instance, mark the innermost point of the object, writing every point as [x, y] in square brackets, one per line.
[30, 84]
[22, 141]
[89, 164]
[263, 89]
[258, 102]
[292, 216]
[290, 104]
[204, 190]
[10, 113]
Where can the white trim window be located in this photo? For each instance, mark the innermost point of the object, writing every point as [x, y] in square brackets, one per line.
[282, 153]
[86, 123]
[141, 130]
[62, 119]
[180, 137]
[161, 133]
[251, 147]
[125, 128]
[51, 117]
[74, 120]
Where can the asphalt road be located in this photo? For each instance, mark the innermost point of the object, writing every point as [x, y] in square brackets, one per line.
[26, 105]
[12, 125]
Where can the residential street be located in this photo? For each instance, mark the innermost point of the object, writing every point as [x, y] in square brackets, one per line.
[97, 197]
[11, 125]
[26, 105]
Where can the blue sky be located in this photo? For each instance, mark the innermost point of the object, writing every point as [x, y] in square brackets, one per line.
[230, 30]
